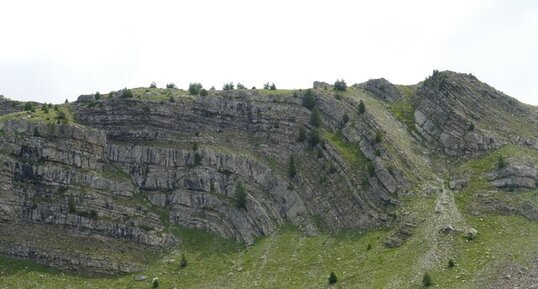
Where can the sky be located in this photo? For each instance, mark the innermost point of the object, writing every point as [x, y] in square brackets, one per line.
[56, 50]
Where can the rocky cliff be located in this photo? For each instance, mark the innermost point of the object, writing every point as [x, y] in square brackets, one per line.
[81, 181]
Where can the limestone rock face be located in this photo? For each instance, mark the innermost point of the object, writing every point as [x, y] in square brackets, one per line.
[382, 89]
[128, 170]
[58, 176]
[8, 106]
[515, 176]
[458, 112]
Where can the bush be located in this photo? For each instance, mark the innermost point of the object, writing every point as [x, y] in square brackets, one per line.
[228, 86]
[309, 100]
[93, 214]
[427, 280]
[197, 159]
[315, 118]
[451, 263]
[195, 88]
[97, 95]
[471, 127]
[332, 278]
[155, 283]
[302, 134]
[240, 86]
[28, 107]
[291, 167]
[153, 85]
[266, 85]
[126, 93]
[362, 107]
[61, 117]
[340, 85]
[171, 85]
[240, 196]
[314, 137]
[501, 162]
[272, 87]
[369, 247]
[71, 206]
[345, 118]
[171, 99]
[371, 169]
[45, 108]
[204, 92]
[183, 261]
[378, 137]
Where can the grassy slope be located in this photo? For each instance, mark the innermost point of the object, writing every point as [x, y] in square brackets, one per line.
[291, 260]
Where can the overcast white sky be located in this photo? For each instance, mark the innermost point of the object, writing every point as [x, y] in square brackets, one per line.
[53, 50]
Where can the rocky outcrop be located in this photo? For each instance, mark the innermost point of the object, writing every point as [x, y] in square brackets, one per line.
[8, 106]
[457, 112]
[382, 89]
[515, 176]
[189, 156]
[58, 176]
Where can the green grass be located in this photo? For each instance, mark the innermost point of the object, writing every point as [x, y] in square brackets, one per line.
[349, 151]
[290, 259]
[41, 116]
[404, 113]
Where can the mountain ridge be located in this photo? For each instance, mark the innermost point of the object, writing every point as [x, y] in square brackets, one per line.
[121, 169]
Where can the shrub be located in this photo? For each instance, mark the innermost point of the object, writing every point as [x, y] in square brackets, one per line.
[195, 88]
[332, 278]
[155, 283]
[93, 214]
[171, 85]
[362, 107]
[66, 101]
[340, 85]
[314, 137]
[228, 86]
[371, 169]
[345, 118]
[309, 100]
[183, 261]
[315, 118]
[71, 206]
[451, 263]
[266, 85]
[378, 137]
[369, 247]
[171, 99]
[204, 92]
[197, 159]
[240, 196]
[272, 87]
[61, 117]
[153, 85]
[126, 93]
[28, 107]
[302, 134]
[501, 162]
[240, 86]
[97, 95]
[471, 127]
[291, 167]
[427, 280]
[45, 108]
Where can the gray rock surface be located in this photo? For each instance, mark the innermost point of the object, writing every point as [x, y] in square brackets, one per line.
[382, 89]
[515, 176]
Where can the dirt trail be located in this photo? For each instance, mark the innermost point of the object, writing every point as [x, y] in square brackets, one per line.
[439, 229]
